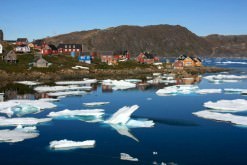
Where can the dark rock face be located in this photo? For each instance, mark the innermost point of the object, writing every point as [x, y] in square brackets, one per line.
[163, 40]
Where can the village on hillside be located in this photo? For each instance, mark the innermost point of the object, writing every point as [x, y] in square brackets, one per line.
[11, 50]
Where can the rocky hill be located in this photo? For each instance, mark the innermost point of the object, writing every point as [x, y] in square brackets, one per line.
[164, 40]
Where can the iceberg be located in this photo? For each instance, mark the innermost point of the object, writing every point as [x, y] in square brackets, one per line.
[22, 121]
[68, 93]
[61, 88]
[69, 144]
[87, 81]
[97, 113]
[124, 156]
[119, 85]
[95, 104]
[228, 105]
[225, 117]
[22, 107]
[30, 83]
[234, 90]
[16, 135]
[208, 91]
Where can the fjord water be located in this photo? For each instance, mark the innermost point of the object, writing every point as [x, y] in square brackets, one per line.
[178, 136]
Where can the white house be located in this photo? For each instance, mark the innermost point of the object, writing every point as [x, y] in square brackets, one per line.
[1, 48]
[22, 49]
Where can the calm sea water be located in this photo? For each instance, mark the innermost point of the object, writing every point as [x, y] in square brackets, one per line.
[178, 136]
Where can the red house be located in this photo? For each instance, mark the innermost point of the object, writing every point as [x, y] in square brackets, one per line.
[21, 41]
[38, 44]
[122, 55]
[147, 58]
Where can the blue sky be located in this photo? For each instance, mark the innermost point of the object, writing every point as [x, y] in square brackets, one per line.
[38, 19]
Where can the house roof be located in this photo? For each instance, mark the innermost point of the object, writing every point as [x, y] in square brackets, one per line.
[22, 40]
[38, 42]
[148, 55]
[70, 46]
[53, 47]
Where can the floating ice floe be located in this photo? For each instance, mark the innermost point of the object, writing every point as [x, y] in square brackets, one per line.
[177, 89]
[234, 90]
[67, 93]
[61, 88]
[124, 156]
[119, 85]
[228, 105]
[208, 91]
[87, 81]
[133, 80]
[69, 144]
[221, 78]
[17, 135]
[226, 117]
[92, 104]
[232, 62]
[22, 121]
[22, 107]
[30, 83]
[48, 99]
[123, 130]
[97, 113]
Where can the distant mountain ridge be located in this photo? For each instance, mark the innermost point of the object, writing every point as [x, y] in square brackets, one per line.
[163, 40]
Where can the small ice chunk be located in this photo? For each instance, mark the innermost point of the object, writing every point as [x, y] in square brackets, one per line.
[233, 90]
[123, 130]
[16, 135]
[68, 93]
[87, 81]
[30, 83]
[208, 91]
[48, 99]
[124, 156]
[95, 104]
[22, 121]
[133, 80]
[155, 153]
[228, 105]
[119, 85]
[226, 117]
[177, 89]
[73, 113]
[140, 123]
[69, 144]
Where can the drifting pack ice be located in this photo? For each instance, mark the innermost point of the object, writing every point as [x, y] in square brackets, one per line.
[221, 78]
[119, 85]
[225, 117]
[228, 105]
[92, 104]
[87, 81]
[23, 107]
[124, 156]
[177, 89]
[69, 144]
[27, 121]
[18, 134]
[61, 88]
[67, 93]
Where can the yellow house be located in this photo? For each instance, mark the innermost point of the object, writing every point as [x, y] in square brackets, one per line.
[188, 62]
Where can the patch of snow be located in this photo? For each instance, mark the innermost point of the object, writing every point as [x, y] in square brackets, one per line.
[22, 121]
[228, 105]
[225, 117]
[95, 104]
[124, 156]
[73, 113]
[69, 144]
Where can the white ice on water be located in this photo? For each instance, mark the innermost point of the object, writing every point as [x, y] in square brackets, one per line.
[221, 78]
[226, 117]
[87, 81]
[228, 105]
[67, 93]
[17, 135]
[30, 83]
[22, 107]
[232, 62]
[69, 144]
[73, 113]
[124, 156]
[27, 121]
[91, 104]
[123, 130]
[177, 89]
[208, 91]
[119, 84]
[61, 88]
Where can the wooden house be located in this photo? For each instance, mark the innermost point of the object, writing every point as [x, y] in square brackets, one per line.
[46, 50]
[10, 57]
[122, 55]
[21, 41]
[197, 61]
[68, 48]
[53, 49]
[40, 62]
[147, 58]
[178, 64]
[189, 61]
[108, 57]
[22, 49]
[1, 48]
[38, 44]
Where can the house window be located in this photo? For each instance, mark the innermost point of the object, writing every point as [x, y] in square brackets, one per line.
[65, 46]
[70, 50]
[69, 46]
[74, 46]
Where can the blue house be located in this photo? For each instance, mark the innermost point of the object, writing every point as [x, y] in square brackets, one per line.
[85, 58]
